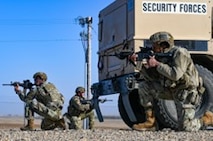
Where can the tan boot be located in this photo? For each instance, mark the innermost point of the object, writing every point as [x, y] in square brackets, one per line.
[148, 125]
[207, 118]
[62, 124]
[29, 126]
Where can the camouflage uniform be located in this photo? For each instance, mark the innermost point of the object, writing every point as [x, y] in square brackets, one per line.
[47, 102]
[29, 116]
[175, 79]
[79, 108]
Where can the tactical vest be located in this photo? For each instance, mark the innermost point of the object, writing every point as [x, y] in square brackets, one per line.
[189, 79]
[47, 93]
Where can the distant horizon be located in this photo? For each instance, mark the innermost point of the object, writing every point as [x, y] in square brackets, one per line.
[40, 117]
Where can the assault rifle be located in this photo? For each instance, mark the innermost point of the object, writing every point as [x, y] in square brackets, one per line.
[26, 84]
[91, 101]
[95, 103]
[142, 55]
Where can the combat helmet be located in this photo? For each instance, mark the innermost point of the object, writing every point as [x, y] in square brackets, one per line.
[79, 89]
[42, 75]
[162, 37]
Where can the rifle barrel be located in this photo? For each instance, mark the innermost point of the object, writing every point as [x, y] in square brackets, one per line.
[7, 84]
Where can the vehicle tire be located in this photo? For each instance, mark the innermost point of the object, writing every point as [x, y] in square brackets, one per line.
[137, 109]
[165, 110]
[167, 115]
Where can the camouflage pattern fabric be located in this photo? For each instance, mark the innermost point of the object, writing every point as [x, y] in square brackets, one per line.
[46, 101]
[175, 79]
[28, 113]
[76, 121]
[47, 124]
[78, 110]
[77, 106]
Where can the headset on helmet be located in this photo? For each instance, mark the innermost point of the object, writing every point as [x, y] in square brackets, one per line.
[42, 75]
[162, 37]
[79, 89]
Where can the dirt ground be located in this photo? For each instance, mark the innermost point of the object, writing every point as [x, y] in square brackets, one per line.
[17, 122]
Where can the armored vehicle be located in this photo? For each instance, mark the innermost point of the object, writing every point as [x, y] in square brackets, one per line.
[127, 24]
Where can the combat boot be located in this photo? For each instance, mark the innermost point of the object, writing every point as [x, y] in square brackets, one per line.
[148, 125]
[29, 126]
[207, 118]
[61, 123]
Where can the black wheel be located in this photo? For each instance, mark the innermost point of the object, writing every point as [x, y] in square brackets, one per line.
[137, 109]
[167, 115]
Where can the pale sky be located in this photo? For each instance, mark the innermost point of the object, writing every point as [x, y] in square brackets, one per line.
[44, 35]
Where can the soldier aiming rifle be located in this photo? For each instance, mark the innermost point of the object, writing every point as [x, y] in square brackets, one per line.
[80, 108]
[45, 100]
[27, 112]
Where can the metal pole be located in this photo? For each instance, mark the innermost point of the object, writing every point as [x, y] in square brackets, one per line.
[89, 23]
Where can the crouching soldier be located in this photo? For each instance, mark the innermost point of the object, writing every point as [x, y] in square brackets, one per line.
[46, 101]
[79, 108]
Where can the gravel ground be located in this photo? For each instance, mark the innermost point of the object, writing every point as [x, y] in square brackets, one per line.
[104, 135]
[110, 130]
